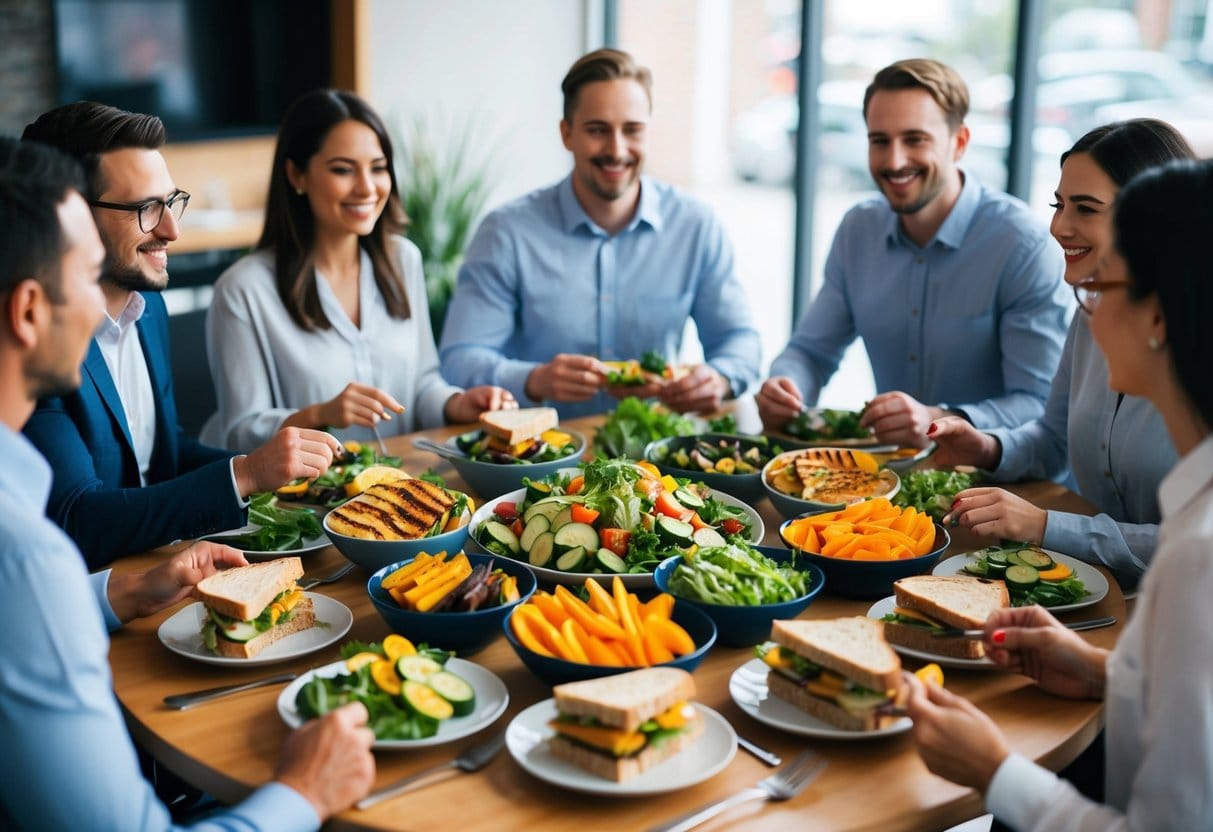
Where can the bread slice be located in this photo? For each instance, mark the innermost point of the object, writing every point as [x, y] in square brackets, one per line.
[514, 426]
[852, 647]
[623, 768]
[918, 638]
[303, 617]
[401, 510]
[784, 688]
[626, 700]
[955, 600]
[243, 592]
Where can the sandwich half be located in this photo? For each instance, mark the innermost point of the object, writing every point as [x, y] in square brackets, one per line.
[929, 603]
[839, 670]
[618, 726]
[250, 607]
[513, 427]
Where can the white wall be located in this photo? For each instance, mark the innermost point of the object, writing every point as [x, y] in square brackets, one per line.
[496, 63]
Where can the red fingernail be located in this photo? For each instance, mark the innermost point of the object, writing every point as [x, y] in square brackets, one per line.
[931, 430]
[999, 636]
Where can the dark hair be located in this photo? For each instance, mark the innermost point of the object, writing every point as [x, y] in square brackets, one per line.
[87, 129]
[290, 228]
[1163, 220]
[34, 182]
[941, 82]
[1124, 149]
[602, 65]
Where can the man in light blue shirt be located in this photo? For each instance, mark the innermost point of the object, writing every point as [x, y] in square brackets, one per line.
[956, 290]
[605, 265]
[68, 762]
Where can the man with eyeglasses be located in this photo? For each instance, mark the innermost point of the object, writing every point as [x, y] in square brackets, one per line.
[126, 479]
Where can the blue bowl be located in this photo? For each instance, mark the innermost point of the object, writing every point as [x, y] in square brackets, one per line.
[746, 486]
[376, 554]
[739, 626]
[869, 578]
[792, 507]
[558, 671]
[492, 479]
[463, 632]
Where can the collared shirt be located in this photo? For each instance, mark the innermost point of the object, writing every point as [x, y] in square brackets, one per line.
[972, 321]
[266, 367]
[68, 762]
[1159, 729]
[1117, 448]
[541, 278]
[119, 344]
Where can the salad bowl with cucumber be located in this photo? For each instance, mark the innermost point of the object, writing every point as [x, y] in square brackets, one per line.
[726, 462]
[616, 517]
[1033, 575]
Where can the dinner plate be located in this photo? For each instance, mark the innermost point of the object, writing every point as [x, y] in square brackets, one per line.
[1094, 581]
[182, 633]
[528, 733]
[885, 606]
[491, 701]
[748, 687]
[308, 544]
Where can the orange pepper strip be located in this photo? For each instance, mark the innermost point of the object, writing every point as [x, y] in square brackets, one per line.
[620, 592]
[675, 639]
[601, 601]
[524, 633]
[572, 633]
[589, 620]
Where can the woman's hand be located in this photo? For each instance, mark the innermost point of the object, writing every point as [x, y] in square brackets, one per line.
[358, 404]
[1030, 641]
[962, 444]
[993, 512]
[468, 405]
[957, 741]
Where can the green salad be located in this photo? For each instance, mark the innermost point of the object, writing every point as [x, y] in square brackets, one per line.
[932, 491]
[736, 575]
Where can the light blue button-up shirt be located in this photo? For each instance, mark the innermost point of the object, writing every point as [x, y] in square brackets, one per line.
[541, 278]
[68, 762]
[974, 320]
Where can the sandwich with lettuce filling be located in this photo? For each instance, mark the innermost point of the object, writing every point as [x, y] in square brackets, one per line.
[249, 608]
[931, 604]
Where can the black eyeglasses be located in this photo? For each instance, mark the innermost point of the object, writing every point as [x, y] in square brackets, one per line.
[1089, 292]
[150, 211]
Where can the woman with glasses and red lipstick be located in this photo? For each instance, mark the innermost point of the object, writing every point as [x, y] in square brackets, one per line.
[1151, 322]
[1114, 445]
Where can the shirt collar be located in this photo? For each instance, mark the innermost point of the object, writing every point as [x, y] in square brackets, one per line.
[131, 313]
[955, 226]
[1189, 476]
[573, 216]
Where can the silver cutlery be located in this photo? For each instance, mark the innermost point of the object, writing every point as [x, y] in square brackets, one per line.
[784, 784]
[183, 701]
[424, 444]
[473, 759]
[1088, 624]
[379, 439]
[309, 583]
[768, 757]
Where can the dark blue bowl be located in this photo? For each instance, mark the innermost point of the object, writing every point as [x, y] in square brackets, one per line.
[492, 479]
[739, 626]
[746, 486]
[558, 671]
[463, 632]
[870, 578]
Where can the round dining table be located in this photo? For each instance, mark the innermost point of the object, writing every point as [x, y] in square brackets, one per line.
[230, 746]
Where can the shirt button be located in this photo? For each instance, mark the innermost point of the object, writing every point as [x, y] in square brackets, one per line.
[913, 358]
[914, 312]
[1103, 446]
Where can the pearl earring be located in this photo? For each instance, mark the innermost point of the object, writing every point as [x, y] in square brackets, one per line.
[299, 191]
[1153, 343]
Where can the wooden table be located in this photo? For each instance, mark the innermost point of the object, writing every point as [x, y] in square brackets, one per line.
[230, 746]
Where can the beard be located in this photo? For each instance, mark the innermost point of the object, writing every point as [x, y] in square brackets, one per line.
[125, 276]
[931, 188]
[619, 190]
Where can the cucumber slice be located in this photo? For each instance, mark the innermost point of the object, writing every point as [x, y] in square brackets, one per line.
[454, 689]
[977, 567]
[675, 532]
[423, 699]
[240, 631]
[416, 667]
[688, 499]
[576, 535]
[996, 570]
[502, 535]
[997, 556]
[1013, 559]
[537, 526]
[1021, 577]
[1036, 558]
[542, 549]
[562, 519]
[548, 508]
[611, 562]
[708, 537]
[536, 491]
[572, 560]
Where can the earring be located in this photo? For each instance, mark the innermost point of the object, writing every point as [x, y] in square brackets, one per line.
[1153, 343]
[299, 191]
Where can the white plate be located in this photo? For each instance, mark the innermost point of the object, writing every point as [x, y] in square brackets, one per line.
[182, 633]
[885, 606]
[748, 687]
[491, 701]
[527, 740]
[1094, 581]
[309, 544]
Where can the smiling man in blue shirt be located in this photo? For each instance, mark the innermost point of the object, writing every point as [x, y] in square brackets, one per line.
[606, 264]
[956, 289]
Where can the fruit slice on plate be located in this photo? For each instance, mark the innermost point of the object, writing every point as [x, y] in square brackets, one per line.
[374, 475]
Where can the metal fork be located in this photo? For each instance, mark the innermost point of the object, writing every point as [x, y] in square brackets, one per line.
[309, 583]
[784, 784]
[472, 759]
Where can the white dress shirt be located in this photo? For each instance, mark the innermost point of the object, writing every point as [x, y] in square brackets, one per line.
[1159, 690]
[123, 353]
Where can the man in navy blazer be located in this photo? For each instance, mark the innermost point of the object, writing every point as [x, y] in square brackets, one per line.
[126, 479]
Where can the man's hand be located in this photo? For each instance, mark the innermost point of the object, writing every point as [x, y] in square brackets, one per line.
[468, 405]
[962, 444]
[1029, 640]
[329, 761]
[779, 401]
[135, 596]
[899, 418]
[292, 453]
[699, 391]
[566, 378]
[993, 512]
[957, 741]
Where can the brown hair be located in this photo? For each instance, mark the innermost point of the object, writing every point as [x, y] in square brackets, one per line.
[290, 227]
[941, 82]
[602, 65]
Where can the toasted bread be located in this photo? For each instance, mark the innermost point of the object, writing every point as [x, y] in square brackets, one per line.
[623, 768]
[303, 617]
[243, 592]
[626, 700]
[514, 426]
[955, 600]
[402, 510]
[852, 647]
